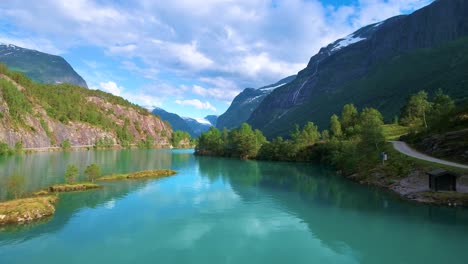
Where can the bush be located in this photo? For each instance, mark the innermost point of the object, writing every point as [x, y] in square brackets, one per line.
[66, 145]
[15, 186]
[71, 173]
[92, 172]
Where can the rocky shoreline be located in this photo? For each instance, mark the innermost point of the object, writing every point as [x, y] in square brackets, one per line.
[415, 188]
[26, 210]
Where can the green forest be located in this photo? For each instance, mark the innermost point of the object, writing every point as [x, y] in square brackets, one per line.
[352, 142]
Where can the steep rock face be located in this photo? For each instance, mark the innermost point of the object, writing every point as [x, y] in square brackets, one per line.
[42, 131]
[245, 103]
[40, 67]
[358, 68]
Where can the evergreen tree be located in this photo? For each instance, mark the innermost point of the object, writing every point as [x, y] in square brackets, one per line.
[335, 127]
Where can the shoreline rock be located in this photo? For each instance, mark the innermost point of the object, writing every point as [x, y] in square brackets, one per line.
[26, 210]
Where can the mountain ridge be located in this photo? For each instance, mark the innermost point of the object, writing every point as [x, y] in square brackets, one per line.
[324, 85]
[39, 66]
[246, 102]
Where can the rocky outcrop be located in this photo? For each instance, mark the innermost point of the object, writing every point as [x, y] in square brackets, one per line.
[41, 131]
[27, 210]
[379, 65]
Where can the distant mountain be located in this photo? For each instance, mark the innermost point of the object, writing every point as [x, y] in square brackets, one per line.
[176, 122]
[197, 125]
[379, 66]
[40, 67]
[194, 126]
[212, 118]
[246, 102]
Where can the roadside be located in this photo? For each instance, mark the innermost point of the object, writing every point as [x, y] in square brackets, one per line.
[403, 148]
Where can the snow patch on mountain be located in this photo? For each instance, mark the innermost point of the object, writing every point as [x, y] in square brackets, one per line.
[349, 40]
[272, 88]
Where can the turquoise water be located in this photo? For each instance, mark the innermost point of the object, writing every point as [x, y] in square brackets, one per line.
[225, 211]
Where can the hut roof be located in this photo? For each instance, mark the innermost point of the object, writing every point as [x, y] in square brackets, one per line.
[441, 172]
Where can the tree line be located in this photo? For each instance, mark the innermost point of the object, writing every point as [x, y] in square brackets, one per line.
[353, 138]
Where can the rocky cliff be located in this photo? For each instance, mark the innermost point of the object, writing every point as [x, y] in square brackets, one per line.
[36, 125]
[379, 65]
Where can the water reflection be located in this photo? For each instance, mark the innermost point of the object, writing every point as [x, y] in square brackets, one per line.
[218, 208]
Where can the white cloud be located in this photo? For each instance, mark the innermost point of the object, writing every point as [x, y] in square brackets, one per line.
[143, 99]
[219, 93]
[226, 45]
[197, 104]
[110, 87]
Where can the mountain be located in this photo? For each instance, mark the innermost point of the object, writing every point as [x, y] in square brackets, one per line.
[245, 103]
[194, 126]
[379, 66]
[40, 67]
[197, 125]
[176, 122]
[213, 119]
[42, 116]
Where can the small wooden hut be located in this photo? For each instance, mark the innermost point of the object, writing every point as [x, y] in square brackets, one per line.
[442, 180]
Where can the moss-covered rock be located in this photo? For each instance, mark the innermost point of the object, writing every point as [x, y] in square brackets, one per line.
[26, 210]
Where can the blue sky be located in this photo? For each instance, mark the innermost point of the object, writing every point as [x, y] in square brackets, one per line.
[188, 57]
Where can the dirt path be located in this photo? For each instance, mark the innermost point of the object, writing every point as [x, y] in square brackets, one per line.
[405, 149]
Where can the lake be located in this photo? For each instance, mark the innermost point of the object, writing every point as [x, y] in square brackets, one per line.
[224, 211]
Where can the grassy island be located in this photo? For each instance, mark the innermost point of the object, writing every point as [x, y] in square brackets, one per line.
[27, 209]
[67, 187]
[139, 175]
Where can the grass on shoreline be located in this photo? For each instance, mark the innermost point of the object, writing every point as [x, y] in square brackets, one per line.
[73, 187]
[27, 209]
[139, 175]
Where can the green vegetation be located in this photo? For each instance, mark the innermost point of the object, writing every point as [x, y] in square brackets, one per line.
[67, 103]
[18, 104]
[19, 147]
[394, 131]
[92, 172]
[71, 173]
[15, 186]
[146, 143]
[178, 138]
[242, 143]
[386, 87]
[27, 209]
[66, 145]
[352, 145]
[5, 150]
[47, 131]
[139, 175]
[82, 186]
[104, 143]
